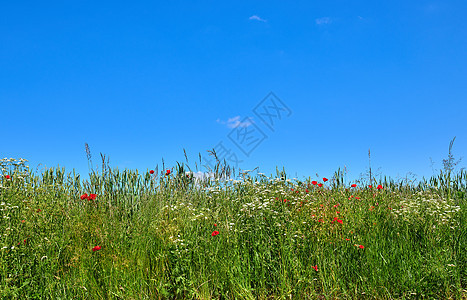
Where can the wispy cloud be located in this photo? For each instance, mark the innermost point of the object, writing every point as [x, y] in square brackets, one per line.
[323, 21]
[256, 18]
[235, 122]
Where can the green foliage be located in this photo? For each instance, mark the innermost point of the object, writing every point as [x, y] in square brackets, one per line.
[278, 237]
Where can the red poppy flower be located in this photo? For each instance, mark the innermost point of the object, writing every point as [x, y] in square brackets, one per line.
[7, 176]
[340, 221]
[370, 186]
[347, 239]
[97, 248]
[320, 184]
[325, 179]
[214, 233]
[215, 224]
[84, 196]
[354, 185]
[379, 187]
[92, 197]
[358, 198]
[167, 172]
[306, 191]
[361, 247]
[314, 182]
[151, 172]
[315, 267]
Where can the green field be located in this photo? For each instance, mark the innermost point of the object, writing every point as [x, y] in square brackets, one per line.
[169, 236]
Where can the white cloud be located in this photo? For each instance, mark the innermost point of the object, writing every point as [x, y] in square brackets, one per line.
[255, 17]
[235, 122]
[323, 21]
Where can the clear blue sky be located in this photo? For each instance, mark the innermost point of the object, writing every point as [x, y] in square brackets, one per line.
[141, 80]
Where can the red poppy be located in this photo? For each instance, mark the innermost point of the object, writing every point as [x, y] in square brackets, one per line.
[167, 172]
[97, 248]
[361, 247]
[84, 196]
[215, 224]
[325, 179]
[370, 186]
[151, 172]
[7, 176]
[340, 221]
[314, 182]
[320, 184]
[214, 233]
[358, 198]
[379, 187]
[92, 197]
[306, 191]
[347, 239]
[315, 267]
[354, 185]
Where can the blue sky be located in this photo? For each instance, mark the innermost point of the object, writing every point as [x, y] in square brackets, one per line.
[142, 80]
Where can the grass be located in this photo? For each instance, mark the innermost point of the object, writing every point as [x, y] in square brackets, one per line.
[278, 238]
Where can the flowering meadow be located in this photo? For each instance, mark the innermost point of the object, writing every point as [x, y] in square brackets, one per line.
[123, 234]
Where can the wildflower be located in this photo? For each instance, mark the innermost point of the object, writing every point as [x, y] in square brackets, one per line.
[347, 239]
[7, 176]
[306, 191]
[314, 182]
[214, 233]
[325, 179]
[354, 185]
[340, 221]
[22, 221]
[84, 196]
[92, 197]
[215, 224]
[315, 267]
[96, 248]
[379, 187]
[361, 247]
[358, 198]
[370, 186]
[167, 172]
[151, 172]
[320, 220]
[320, 184]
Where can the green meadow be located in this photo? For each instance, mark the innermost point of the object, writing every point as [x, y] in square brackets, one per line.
[126, 234]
